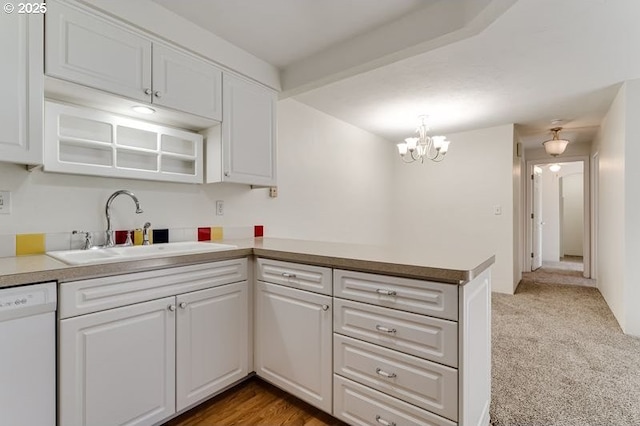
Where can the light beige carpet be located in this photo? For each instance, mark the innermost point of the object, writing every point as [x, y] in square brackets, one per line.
[560, 358]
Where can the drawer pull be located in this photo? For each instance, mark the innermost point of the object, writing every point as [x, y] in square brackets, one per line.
[385, 329]
[386, 292]
[288, 275]
[385, 374]
[384, 422]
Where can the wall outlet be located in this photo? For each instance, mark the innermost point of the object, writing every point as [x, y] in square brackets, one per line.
[5, 202]
[219, 208]
[273, 191]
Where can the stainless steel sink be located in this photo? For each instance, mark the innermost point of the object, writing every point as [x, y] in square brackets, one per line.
[124, 253]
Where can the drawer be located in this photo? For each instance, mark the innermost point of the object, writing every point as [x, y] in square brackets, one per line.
[359, 405]
[86, 296]
[296, 275]
[421, 297]
[426, 384]
[426, 337]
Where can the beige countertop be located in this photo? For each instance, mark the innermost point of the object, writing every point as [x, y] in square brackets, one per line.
[454, 266]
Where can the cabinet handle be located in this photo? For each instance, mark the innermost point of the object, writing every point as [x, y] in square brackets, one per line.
[171, 307]
[384, 422]
[158, 94]
[288, 275]
[148, 91]
[386, 292]
[325, 307]
[183, 305]
[385, 329]
[385, 374]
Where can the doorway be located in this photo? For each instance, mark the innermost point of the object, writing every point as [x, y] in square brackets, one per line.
[558, 216]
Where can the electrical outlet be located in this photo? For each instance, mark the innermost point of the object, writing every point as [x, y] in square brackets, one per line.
[273, 192]
[5, 202]
[219, 208]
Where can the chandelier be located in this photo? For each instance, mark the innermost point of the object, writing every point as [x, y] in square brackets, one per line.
[433, 148]
[555, 146]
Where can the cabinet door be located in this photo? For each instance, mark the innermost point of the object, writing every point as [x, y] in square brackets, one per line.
[293, 342]
[213, 341]
[93, 51]
[21, 88]
[248, 133]
[117, 367]
[186, 83]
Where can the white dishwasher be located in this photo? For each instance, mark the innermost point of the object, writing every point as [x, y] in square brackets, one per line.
[28, 355]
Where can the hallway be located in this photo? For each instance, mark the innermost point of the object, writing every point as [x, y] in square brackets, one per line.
[567, 271]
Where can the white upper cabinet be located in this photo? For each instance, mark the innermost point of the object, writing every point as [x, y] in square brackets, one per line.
[185, 83]
[21, 88]
[247, 142]
[89, 49]
[92, 51]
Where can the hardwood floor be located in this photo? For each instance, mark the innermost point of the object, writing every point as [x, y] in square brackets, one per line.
[254, 402]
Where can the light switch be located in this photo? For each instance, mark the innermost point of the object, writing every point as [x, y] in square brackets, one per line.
[5, 202]
[497, 210]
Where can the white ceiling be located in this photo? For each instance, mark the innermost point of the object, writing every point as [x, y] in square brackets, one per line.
[532, 61]
[284, 31]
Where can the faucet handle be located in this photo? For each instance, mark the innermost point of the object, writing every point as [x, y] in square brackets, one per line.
[88, 239]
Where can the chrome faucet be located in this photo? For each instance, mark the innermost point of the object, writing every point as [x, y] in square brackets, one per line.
[110, 242]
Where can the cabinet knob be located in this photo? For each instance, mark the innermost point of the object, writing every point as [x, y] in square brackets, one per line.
[325, 307]
[158, 94]
[227, 174]
[384, 422]
[148, 91]
[171, 307]
[183, 305]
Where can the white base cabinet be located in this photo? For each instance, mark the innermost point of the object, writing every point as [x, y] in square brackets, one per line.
[140, 364]
[293, 342]
[117, 366]
[212, 343]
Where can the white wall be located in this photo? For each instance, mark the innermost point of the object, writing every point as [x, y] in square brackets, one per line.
[610, 143]
[632, 208]
[452, 202]
[333, 179]
[572, 214]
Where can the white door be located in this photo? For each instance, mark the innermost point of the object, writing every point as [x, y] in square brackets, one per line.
[536, 222]
[294, 342]
[21, 86]
[186, 83]
[95, 52]
[212, 341]
[117, 367]
[248, 132]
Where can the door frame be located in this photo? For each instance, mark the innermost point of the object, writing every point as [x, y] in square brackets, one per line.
[587, 225]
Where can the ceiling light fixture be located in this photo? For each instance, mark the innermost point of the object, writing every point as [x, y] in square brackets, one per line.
[555, 146]
[433, 148]
[143, 109]
[555, 167]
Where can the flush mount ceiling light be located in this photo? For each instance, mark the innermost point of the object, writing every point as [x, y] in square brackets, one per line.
[143, 109]
[555, 167]
[555, 146]
[433, 148]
